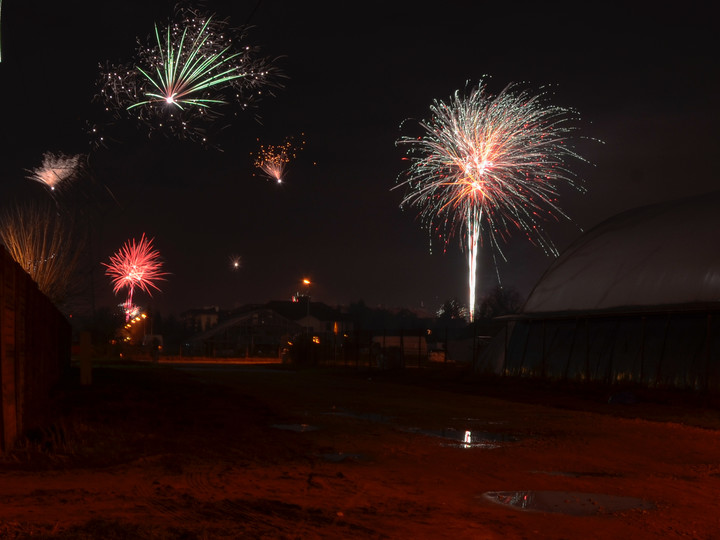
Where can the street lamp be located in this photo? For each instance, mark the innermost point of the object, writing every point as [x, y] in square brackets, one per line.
[307, 284]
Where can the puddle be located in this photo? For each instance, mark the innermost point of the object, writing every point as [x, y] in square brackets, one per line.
[480, 421]
[567, 502]
[300, 428]
[379, 418]
[339, 457]
[580, 474]
[466, 438]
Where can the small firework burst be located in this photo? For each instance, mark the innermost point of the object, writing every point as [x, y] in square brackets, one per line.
[272, 160]
[189, 71]
[235, 263]
[488, 164]
[130, 310]
[136, 264]
[56, 170]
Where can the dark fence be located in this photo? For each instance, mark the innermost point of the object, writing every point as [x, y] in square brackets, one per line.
[662, 349]
[35, 341]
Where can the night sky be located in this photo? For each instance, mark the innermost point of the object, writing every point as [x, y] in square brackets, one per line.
[646, 84]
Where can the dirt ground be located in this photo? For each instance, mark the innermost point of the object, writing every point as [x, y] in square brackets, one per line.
[270, 451]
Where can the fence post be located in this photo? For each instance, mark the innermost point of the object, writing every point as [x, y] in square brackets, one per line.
[85, 359]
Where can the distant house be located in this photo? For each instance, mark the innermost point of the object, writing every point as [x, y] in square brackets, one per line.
[199, 320]
[268, 329]
[315, 316]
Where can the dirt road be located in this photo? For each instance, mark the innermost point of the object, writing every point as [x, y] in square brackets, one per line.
[274, 452]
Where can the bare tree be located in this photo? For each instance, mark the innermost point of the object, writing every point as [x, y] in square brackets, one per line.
[46, 244]
[500, 301]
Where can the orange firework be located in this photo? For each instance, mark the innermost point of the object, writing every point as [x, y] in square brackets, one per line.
[272, 160]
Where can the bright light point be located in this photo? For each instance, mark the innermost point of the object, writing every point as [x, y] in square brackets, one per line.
[306, 281]
[170, 99]
[235, 262]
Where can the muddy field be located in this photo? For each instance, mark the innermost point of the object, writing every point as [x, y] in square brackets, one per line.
[268, 451]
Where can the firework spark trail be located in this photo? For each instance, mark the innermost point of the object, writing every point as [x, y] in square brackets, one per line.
[136, 264]
[272, 160]
[487, 164]
[56, 170]
[178, 83]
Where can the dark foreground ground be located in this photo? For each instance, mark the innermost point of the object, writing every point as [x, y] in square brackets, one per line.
[213, 451]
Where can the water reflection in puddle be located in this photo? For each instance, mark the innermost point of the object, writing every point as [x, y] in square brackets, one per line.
[371, 417]
[466, 438]
[580, 474]
[339, 457]
[567, 502]
[300, 428]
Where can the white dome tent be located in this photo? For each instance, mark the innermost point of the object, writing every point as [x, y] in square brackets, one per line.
[635, 299]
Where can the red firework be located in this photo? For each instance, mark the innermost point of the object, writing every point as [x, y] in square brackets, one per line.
[137, 264]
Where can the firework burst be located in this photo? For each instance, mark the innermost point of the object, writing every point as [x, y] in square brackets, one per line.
[272, 160]
[185, 75]
[56, 170]
[135, 265]
[489, 164]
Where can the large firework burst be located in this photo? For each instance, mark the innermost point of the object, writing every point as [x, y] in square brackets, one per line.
[136, 264]
[487, 164]
[189, 73]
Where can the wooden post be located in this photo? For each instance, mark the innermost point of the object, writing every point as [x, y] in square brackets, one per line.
[85, 359]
